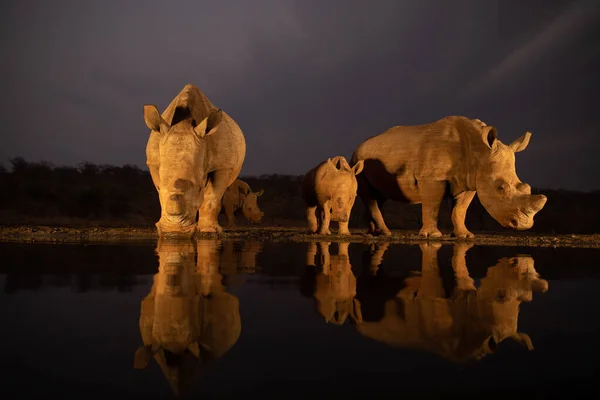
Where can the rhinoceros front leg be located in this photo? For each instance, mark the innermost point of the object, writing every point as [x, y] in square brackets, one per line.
[459, 213]
[325, 219]
[211, 206]
[343, 228]
[432, 194]
[311, 217]
[230, 214]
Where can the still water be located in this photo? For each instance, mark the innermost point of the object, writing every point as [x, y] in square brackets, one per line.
[220, 318]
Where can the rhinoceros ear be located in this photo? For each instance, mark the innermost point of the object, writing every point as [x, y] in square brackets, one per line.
[521, 143]
[488, 135]
[358, 167]
[210, 124]
[153, 118]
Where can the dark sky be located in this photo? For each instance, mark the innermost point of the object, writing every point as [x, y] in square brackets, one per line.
[305, 79]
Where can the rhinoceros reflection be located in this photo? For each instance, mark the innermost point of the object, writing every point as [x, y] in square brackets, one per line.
[470, 323]
[187, 318]
[335, 284]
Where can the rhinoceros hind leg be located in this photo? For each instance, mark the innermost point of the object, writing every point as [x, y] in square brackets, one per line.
[311, 217]
[432, 194]
[459, 213]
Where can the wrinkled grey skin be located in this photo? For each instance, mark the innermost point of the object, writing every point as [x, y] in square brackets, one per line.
[187, 318]
[194, 152]
[454, 156]
[329, 191]
[239, 196]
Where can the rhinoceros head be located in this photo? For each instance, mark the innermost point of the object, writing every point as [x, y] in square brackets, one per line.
[182, 170]
[343, 186]
[250, 207]
[508, 200]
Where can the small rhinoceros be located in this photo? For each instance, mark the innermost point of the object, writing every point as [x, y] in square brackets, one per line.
[239, 196]
[421, 164]
[195, 151]
[329, 191]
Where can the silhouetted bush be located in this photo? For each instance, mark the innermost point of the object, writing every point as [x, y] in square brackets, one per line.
[107, 195]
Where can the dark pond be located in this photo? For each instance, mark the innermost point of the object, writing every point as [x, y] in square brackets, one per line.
[213, 318]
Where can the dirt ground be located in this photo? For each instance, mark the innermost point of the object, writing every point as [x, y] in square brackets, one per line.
[295, 234]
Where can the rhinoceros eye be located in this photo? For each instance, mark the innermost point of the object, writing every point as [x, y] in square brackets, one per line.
[503, 187]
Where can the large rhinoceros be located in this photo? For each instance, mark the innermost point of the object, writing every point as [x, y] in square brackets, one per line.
[469, 324]
[329, 191]
[195, 151]
[239, 196]
[454, 155]
[187, 319]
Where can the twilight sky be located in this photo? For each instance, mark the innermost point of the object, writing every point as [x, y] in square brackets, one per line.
[304, 79]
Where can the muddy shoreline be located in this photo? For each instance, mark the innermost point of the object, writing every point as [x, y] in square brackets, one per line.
[49, 234]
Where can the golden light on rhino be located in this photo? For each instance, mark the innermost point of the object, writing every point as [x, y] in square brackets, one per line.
[239, 196]
[469, 323]
[454, 156]
[329, 191]
[194, 152]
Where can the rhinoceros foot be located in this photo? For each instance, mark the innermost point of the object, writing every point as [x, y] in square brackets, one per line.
[210, 229]
[430, 233]
[463, 234]
[324, 232]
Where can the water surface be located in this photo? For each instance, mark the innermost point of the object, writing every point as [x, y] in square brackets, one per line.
[217, 318]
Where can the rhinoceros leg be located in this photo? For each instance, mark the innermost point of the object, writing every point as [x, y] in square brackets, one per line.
[459, 212]
[325, 213]
[343, 228]
[311, 217]
[372, 210]
[230, 214]
[432, 194]
[211, 205]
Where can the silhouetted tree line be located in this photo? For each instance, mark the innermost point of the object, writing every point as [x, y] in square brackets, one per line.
[107, 195]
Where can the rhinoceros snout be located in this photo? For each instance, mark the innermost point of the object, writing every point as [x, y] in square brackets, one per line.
[175, 205]
[537, 202]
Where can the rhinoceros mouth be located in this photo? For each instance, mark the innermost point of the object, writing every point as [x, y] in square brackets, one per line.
[179, 227]
[519, 221]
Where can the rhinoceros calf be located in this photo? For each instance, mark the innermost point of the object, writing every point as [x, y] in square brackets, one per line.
[195, 151]
[329, 191]
[239, 196]
[455, 155]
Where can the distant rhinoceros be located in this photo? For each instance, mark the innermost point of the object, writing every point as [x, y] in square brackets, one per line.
[454, 155]
[195, 151]
[239, 196]
[329, 191]
[470, 323]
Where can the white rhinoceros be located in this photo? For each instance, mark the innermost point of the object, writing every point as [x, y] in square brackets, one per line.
[195, 151]
[239, 196]
[455, 155]
[329, 191]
